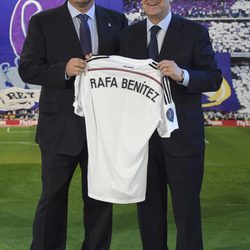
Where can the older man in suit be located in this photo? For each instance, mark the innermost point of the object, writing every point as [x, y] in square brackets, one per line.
[53, 54]
[185, 55]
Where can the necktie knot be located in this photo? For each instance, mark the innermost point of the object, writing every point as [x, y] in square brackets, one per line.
[83, 17]
[154, 30]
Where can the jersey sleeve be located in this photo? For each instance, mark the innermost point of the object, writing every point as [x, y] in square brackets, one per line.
[79, 92]
[168, 122]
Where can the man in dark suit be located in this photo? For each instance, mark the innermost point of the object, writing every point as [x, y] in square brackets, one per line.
[185, 55]
[52, 56]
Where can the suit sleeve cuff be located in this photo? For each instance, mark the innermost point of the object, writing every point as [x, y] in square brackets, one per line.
[67, 77]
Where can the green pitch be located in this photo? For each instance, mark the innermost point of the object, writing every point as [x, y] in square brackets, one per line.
[225, 194]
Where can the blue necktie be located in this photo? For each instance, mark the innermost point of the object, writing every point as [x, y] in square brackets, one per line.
[153, 45]
[85, 37]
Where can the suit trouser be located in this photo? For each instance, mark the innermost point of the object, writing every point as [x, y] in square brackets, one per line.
[50, 222]
[184, 177]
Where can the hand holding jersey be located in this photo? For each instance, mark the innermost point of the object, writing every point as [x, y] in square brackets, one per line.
[76, 66]
[171, 69]
[123, 100]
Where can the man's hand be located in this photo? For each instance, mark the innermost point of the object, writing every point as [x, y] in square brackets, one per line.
[171, 69]
[75, 66]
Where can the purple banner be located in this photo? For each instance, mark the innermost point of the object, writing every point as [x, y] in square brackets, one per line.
[113, 5]
[225, 98]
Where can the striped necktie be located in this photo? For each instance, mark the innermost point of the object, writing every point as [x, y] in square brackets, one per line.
[85, 37]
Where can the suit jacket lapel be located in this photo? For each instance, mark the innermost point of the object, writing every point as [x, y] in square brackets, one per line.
[67, 25]
[172, 38]
[141, 36]
[104, 26]
[138, 41]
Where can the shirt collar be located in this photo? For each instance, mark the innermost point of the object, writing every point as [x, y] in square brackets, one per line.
[163, 24]
[74, 12]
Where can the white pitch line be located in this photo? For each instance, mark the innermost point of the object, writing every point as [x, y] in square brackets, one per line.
[206, 141]
[28, 143]
[18, 142]
[19, 132]
[9, 131]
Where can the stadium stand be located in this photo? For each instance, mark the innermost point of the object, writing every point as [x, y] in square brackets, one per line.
[20, 114]
[241, 8]
[230, 36]
[201, 8]
[241, 84]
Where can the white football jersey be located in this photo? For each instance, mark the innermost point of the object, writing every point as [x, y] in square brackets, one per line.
[123, 101]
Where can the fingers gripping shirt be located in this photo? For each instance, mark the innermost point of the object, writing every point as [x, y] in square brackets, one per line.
[123, 101]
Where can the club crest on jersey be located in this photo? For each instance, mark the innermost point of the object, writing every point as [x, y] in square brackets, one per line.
[170, 114]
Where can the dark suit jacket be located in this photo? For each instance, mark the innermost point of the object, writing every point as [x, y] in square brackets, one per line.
[188, 44]
[51, 41]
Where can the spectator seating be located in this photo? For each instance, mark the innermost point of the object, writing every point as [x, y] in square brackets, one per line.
[241, 84]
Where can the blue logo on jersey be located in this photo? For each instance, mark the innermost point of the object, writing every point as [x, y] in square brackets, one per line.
[170, 114]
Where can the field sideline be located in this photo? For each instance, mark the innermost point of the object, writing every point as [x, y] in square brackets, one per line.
[225, 194]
